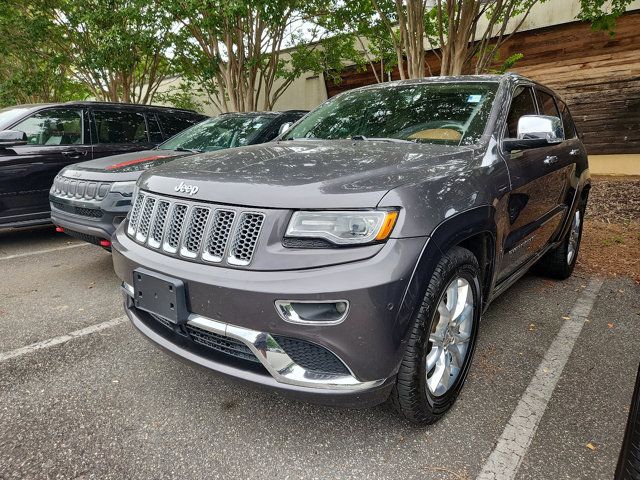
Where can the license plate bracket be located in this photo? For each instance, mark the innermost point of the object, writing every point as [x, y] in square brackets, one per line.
[160, 294]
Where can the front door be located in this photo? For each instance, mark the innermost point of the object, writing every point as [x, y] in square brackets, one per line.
[56, 137]
[538, 188]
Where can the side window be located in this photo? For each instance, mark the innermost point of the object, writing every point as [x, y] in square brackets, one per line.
[120, 127]
[172, 124]
[522, 104]
[547, 104]
[53, 127]
[155, 134]
[567, 121]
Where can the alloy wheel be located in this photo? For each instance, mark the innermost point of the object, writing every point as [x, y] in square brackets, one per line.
[450, 336]
[574, 237]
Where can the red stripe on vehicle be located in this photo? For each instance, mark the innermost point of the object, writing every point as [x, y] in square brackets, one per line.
[138, 160]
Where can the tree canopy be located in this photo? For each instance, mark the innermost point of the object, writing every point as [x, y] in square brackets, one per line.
[245, 54]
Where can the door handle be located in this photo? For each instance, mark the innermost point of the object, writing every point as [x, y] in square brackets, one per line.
[73, 153]
[550, 160]
[575, 151]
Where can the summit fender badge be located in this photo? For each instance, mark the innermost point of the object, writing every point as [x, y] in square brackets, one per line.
[188, 189]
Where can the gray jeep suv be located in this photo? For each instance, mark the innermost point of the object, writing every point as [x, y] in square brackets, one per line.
[350, 261]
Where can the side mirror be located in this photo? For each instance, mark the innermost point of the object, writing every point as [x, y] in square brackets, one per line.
[284, 127]
[12, 138]
[535, 131]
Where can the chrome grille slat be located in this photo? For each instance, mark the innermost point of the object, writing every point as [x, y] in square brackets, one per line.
[218, 236]
[145, 219]
[135, 214]
[157, 230]
[198, 217]
[245, 238]
[176, 223]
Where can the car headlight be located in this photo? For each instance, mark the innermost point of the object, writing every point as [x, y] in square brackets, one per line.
[343, 227]
[123, 188]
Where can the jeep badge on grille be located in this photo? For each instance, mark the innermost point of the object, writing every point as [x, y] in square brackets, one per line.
[188, 189]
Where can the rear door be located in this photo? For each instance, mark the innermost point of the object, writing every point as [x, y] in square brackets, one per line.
[538, 185]
[56, 137]
[116, 131]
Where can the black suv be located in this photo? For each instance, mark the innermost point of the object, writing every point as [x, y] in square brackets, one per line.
[36, 141]
[90, 199]
[350, 261]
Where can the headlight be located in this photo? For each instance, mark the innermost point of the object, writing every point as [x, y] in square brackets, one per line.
[123, 188]
[343, 228]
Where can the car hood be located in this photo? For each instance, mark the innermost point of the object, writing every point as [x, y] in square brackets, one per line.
[305, 174]
[121, 168]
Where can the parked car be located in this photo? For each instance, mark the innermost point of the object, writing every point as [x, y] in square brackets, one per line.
[37, 141]
[349, 261]
[90, 199]
[629, 460]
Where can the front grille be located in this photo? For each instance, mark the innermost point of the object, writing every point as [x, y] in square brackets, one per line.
[223, 344]
[85, 212]
[214, 341]
[197, 232]
[311, 356]
[80, 189]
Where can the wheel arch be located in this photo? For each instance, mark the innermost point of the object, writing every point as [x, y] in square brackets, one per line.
[473, 229]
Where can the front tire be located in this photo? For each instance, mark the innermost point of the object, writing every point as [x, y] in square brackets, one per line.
[442, 340]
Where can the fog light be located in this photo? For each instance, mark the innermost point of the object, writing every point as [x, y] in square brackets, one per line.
[313, 312]
[105, 243]
[59, 229]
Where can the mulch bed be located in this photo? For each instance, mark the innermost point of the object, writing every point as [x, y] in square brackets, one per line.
[611, 237]
[614, 199]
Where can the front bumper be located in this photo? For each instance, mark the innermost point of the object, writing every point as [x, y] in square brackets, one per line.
[95, 220]
[281, 373]
[241, 304]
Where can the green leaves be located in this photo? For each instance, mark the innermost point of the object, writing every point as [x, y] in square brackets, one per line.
[602, 13]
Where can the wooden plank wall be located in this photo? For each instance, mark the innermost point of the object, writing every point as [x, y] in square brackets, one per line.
[597, 75]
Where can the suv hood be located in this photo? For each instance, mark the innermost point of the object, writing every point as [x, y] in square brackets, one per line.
[121, 168]
[305, 173]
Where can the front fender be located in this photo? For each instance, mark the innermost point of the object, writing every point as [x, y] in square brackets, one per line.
[464, 227]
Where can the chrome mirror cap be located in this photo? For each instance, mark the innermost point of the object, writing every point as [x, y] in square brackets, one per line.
[542, 127]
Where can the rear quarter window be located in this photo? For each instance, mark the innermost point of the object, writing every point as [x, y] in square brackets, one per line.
[567, 121]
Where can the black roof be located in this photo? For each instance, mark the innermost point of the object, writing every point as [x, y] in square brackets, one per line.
[87, 103]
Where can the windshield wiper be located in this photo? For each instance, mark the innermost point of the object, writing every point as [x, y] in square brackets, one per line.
[380, 139]
[191, 150]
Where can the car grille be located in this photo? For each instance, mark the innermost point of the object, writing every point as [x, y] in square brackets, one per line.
[202, 233]
[81, 189]
[214, 341]
[85, 212]
[311, 356]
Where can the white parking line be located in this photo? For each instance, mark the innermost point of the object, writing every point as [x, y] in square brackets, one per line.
[48, 250]
[62, 339]
[505, 460]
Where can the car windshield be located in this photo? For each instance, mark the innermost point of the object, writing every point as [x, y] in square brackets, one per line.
[451, 114]
[11, 113]
[225, 131]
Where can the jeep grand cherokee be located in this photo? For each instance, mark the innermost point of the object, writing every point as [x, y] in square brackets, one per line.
[350, 261]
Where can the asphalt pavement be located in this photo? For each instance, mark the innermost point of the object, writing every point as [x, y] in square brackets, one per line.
[102, 402]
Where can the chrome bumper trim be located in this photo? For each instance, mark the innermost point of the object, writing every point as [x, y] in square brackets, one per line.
[273, 357]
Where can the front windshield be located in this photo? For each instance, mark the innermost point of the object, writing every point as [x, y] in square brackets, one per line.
[225, 131]
[443, 113]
